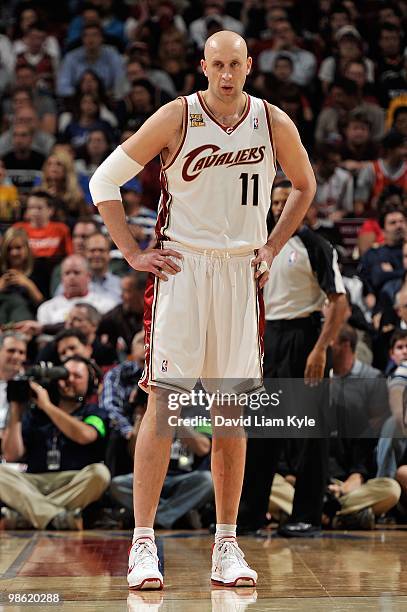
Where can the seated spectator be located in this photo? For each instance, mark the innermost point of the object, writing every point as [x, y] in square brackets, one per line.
[89, 83]
[83, 228]
[389, 169]
[17, 267]
[285, 40]
[13, 353]
[399, 120]
[357, 148]
[9, 203]
[36, 55]
[138, 105]
[172, 55]
[141, 220]
[94, 55]
[361, 496]
[269, 84]
[362, 409]
[96, 148]
[391, 448]
[350, 48]
[359, 402]
[121, 324]
[390, 62]
[103, 15]
[332, 19]
[387, 305]
[380, 265]
[27, 117]
[345, 98]
[214, 10]
[334, 195]
[187, 486]
[293, 102]
[97, 253]
[69, 342]
[370, 234]
[356, 71]
[28, 16]
[79, 336]
[85, 119]
[140, 66]
[124, 402]
[76, 288]
[62, 441]
[48, 239]
[59, 178]
[23, 163]
[25, 84]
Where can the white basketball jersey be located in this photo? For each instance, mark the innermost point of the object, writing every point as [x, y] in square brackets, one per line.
[216, 187]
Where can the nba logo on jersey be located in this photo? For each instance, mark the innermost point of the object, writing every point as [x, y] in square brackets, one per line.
[196, 120]
[292, 258]
[164, 365]
[255, 123]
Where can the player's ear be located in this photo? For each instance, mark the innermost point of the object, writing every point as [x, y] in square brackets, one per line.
[203, 66]
[249, 65]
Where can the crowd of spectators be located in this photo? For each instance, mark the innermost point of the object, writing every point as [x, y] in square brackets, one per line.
[77, 79]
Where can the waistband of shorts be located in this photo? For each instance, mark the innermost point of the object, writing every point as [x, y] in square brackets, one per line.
[222, 253]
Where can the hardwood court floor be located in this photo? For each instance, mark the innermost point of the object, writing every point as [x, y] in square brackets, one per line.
[338, 572]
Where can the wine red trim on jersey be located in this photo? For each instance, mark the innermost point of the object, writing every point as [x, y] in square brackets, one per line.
[227, 129]
[164, 208]
[268, 117]
[173, 157]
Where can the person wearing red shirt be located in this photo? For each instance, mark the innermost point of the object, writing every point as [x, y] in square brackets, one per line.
[49, 239]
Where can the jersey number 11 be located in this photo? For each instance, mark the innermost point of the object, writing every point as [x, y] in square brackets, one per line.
[244, 177]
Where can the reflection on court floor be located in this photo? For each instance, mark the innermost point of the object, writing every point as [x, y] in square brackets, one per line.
[340, 571]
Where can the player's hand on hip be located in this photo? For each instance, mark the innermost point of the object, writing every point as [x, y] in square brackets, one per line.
[157, 261]
[263, 261]
[315, 367]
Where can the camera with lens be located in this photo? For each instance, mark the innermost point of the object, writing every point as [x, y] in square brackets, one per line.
[45, 374]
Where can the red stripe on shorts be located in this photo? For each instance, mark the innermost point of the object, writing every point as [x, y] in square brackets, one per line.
[261, 323]
[149, 295]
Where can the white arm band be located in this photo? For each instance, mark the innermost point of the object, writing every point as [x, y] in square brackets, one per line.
[116, 170]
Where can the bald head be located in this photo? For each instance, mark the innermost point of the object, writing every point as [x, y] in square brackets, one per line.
[75, 276]
[225, 40]
[226, 66]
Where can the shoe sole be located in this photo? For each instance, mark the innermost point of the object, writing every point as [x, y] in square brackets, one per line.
[148, 584]
[242, 581]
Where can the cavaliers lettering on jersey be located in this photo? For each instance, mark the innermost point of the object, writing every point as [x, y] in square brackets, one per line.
[216, 187]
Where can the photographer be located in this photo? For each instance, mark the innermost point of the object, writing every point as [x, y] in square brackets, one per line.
[13, 352]
[62, 441]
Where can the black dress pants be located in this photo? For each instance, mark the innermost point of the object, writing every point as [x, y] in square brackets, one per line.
[287, 345]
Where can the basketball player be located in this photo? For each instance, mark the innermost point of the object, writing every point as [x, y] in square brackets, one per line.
[218, 150]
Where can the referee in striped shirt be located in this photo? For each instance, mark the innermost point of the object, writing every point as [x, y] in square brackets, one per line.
[304, 276]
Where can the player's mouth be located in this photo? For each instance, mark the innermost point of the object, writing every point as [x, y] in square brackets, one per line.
[226, 88]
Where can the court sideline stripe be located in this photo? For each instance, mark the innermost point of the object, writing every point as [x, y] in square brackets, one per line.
[18, 563]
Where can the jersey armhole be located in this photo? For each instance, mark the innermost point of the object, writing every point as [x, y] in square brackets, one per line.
[270, 130]
[181, 141]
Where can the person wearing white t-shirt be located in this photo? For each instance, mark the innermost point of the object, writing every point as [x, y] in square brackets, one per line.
[76, 284]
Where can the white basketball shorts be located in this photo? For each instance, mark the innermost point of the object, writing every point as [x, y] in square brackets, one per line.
[206, 322]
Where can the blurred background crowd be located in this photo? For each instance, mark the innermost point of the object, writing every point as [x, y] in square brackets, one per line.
[78, 78]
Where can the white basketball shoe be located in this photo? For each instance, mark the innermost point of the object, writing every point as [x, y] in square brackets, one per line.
[229, 567]
[143, 572]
